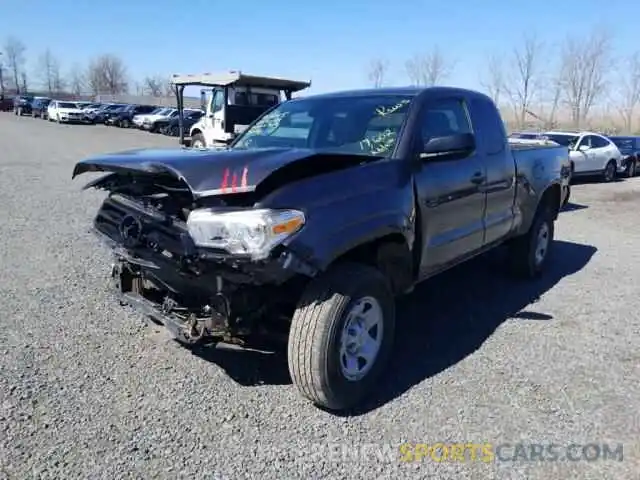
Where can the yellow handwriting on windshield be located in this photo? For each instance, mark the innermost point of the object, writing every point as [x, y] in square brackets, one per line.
[384, 111]
[381, 143]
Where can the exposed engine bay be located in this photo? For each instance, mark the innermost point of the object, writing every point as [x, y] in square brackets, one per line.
[195, 293]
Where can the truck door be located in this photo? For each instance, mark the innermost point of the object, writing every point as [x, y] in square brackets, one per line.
[450, 191]
[214, 120]
[498, 160]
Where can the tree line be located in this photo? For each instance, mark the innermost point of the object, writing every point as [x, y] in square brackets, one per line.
[578, 84]
[102, 75]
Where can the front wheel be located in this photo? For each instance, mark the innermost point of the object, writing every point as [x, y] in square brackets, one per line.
[529, 253]
[609, 174]
[198, 141]
[341, 336]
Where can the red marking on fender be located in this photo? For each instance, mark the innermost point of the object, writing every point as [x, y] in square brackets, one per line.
[245, 171]
[225, 179]
[234, 182]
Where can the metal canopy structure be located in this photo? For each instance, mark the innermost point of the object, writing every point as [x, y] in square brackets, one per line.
[236, 78]
[231, 78]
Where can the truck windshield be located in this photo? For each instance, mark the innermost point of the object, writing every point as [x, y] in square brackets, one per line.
[367, 125]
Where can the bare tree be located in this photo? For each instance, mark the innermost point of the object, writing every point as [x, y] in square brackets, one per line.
[107, 75]
[1, 74]
[49, 69]
[14, 51]
[76, 80]
[154, 86]
[493, 81]
[168, 87]
[523, 81]
[584, 80]
[138, 88]
[630, 91]
[24, 84]
[376, 72]
[428, 69]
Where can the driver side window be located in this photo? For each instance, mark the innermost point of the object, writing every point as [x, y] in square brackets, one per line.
[218, 101]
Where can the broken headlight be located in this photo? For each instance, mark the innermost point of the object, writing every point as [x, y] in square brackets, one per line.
[248, 232]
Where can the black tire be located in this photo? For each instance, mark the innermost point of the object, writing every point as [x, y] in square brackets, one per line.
[198, 137]
[124, 123]
[315, 337]
[631, 171]
[523, 259]
[567, 198]
[609, 173]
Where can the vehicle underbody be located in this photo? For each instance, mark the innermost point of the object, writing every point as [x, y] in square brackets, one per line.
[200, 296]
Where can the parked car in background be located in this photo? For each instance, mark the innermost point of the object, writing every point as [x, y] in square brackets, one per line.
[590, 154]
[111, 116]
[22, 104]
[160, 124]
[139, 120]
[39, 107]
[151, 124]
[124, 118]
[431, 182]
[65, 112]
[171, 126]
[630, 149]
[104, 112]
[6, 103]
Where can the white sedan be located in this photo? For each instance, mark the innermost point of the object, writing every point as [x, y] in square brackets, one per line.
[67, 112]
[138, 120]
[590, 153]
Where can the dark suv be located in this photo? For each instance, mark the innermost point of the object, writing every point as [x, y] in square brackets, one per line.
[22, 105]
[39, 107]
[6, 103]
[124, 118]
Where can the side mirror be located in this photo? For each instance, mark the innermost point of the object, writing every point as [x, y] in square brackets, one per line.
[583, 148]
[459, 144]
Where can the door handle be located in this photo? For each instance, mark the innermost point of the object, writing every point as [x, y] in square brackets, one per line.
[478, 178]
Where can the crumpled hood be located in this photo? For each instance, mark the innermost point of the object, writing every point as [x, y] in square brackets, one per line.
[209, 172]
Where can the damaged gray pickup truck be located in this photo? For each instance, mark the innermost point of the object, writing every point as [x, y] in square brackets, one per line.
[326, 208]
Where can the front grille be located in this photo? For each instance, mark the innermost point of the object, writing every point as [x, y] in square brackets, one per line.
[160, 233]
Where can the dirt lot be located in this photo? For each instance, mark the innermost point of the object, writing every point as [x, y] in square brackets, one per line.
[88, 390]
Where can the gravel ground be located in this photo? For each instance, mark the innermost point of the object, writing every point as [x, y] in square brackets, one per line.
[88, 390]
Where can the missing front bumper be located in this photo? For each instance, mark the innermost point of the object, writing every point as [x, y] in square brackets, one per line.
[188, 327]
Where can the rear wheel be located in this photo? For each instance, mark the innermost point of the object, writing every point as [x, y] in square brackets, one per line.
[341, 336]
[529, 253]
[609, 174]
